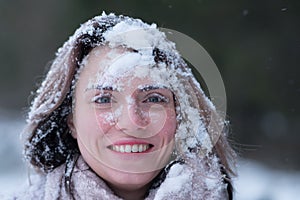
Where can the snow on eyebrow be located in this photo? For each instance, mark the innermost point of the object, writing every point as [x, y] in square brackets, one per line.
[100, 87]
[152, 87]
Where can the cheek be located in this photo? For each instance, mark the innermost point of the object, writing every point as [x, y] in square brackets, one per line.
[105, 121]
[86, 124]
[92, 122]
[170, 125]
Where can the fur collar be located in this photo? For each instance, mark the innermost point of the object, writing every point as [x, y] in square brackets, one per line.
[193, 179]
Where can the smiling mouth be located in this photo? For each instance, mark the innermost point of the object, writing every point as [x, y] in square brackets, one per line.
[128, 148]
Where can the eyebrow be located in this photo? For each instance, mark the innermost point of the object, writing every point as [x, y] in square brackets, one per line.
[145, 88]
[100, 87]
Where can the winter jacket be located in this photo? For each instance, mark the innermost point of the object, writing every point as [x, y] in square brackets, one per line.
[181, 182]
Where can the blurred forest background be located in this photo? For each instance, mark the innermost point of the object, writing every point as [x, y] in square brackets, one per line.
[255, 44]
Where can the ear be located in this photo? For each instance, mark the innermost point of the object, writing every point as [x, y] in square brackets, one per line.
[71, 126]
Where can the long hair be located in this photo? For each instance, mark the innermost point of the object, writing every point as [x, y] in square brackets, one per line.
[49, 143]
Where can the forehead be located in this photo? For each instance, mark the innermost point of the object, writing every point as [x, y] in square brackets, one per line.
[104, 65]
[100, 57]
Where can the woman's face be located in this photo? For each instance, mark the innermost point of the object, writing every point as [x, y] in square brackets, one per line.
[124, 123]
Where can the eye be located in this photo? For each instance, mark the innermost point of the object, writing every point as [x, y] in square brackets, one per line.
[102, 99]
[156, 98]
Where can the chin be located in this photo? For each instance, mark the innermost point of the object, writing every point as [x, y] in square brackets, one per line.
[129, 180]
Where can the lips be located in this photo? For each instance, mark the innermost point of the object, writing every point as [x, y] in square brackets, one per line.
[130, 148]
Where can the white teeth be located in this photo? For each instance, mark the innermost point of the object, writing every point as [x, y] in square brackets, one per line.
[130, 148]
[135, 148]
[116, 148]
[122, 149]
[127, 148]
[141, 148]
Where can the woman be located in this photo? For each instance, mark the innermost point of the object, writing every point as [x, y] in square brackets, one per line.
[120, 116]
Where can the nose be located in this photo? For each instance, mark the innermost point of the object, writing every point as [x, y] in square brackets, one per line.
[132, 119]
[139, 121]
